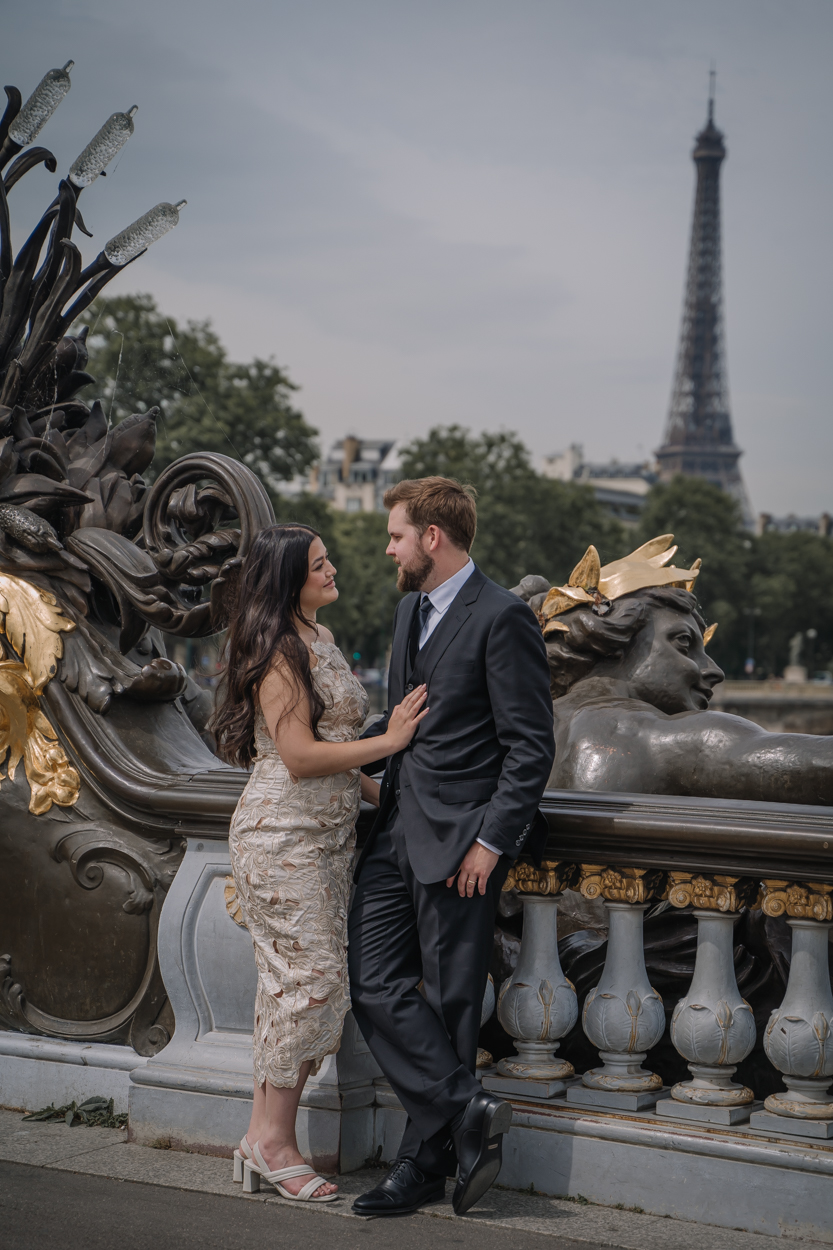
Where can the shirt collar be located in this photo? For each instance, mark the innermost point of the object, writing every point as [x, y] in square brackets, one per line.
[442, 596]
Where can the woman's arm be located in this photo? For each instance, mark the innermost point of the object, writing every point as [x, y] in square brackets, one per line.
[370, 790]
[288, 722]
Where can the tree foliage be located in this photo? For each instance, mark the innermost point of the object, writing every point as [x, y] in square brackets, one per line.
[526, 523]
[761, 591]
[140, 358]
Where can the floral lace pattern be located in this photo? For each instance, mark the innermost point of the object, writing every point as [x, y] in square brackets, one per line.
[291, 844]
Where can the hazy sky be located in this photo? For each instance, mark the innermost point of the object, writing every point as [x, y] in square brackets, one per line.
[471, 210]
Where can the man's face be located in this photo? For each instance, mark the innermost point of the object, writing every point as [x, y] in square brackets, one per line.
[408, 548]
[668, 665]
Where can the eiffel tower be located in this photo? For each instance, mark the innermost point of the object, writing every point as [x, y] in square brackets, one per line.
[698, 434]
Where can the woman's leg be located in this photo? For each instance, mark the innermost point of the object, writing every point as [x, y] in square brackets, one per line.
[277, 1142]
[257, 1123]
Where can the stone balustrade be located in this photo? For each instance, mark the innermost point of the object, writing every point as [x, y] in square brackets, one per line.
[712, 1027]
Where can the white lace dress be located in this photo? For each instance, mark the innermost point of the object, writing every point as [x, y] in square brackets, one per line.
[291, 845]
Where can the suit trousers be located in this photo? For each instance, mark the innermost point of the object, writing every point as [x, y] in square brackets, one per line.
[402, 933]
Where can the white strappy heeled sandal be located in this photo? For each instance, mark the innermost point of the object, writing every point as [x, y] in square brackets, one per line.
[241, 1155]
[255, 1170]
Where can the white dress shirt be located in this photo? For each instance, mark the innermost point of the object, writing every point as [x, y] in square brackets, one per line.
[441, 599]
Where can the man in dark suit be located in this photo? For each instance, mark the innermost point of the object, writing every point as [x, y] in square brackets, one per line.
[455, 808]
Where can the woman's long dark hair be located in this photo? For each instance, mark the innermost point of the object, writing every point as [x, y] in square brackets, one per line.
[263, 630]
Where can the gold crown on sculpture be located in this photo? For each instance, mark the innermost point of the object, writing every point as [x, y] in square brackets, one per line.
[595, 585]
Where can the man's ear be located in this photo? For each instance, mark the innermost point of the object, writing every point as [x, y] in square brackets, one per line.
[433, 535]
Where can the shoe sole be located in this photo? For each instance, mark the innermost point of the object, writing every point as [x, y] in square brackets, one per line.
[486, 1168]
[390, 1213]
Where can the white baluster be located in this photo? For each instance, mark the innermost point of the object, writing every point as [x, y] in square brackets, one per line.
[537, 1006]
[799, 1039]
[713, 1028]
[624, 1017]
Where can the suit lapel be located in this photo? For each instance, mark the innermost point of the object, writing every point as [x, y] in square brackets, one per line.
[455, 618]
[399, 649]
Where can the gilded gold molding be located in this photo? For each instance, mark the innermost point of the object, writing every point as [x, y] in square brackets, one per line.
[26, 734]
[550, 878]
[233, 903]
[800, 900]
[33, 623]
[620, 885]
[712, 893]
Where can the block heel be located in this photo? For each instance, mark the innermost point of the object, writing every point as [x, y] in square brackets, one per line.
[251, 1178]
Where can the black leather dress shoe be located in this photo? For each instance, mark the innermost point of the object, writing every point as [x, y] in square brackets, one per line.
[406, 1188]
[478, 1142]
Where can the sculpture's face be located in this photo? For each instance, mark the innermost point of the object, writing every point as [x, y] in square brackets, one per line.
[667, 664]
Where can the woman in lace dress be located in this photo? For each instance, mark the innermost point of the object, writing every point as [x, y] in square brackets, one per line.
[293, 709]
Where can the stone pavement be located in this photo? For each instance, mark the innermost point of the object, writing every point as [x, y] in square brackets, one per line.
[60, 1187]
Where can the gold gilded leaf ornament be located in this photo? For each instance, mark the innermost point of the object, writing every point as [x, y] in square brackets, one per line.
[648, 566]
[33, 623]
[233, 902]
[26, 734]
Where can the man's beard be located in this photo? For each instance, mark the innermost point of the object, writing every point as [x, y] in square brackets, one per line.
[415, 577]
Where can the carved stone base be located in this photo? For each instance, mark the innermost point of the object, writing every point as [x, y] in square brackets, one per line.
[37, 1071]
[616, 1100]
[700, 1113]
[524, 1087]
[536, 1061]
[623, 1073]
[712, 1087]
[766, 1122]
[810, 1099]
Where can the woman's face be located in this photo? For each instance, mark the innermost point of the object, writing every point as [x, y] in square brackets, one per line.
[319, 588]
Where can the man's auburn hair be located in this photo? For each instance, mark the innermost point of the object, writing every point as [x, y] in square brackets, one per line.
[437, 501]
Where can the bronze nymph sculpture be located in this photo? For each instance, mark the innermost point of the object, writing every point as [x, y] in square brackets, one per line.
[632, 682]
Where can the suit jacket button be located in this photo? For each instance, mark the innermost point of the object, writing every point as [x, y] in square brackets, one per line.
[397, 793]
[408, 688]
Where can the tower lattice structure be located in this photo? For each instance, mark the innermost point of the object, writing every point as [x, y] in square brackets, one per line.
[698, 436]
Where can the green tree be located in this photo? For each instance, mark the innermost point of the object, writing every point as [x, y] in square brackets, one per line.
[791, 583]
[761, 591]
[526, 523]
[707, 524]
[140, 358]
[362, 617]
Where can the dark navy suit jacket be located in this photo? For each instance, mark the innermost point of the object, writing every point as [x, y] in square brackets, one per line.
[480, 760]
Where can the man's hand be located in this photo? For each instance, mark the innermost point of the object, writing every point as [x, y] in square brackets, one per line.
[475, 870]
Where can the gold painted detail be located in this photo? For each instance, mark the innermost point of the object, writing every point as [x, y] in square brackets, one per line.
[712, 893]
[26, 734]
[33, 623]
[621, 885]
[800, 900]
[550, 878]
[233, 903]
[592, 583]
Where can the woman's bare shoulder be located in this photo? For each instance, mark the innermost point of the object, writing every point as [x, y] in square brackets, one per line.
[325, 635]
[278, 681]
